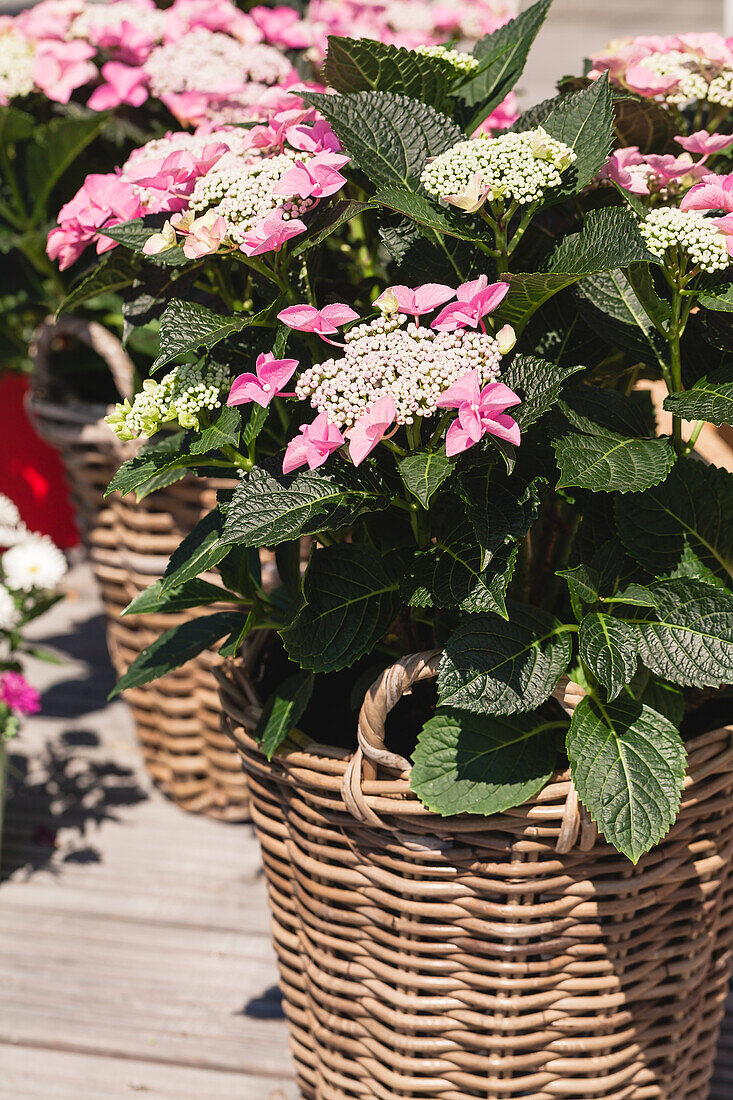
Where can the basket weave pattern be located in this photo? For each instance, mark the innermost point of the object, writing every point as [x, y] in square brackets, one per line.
[515, 957]
[129, 544]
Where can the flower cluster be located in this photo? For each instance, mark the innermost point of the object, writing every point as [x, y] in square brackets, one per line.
[661, 176]
[16, 64]
[691, 232]
[518, 167]
[462, 62]
[675, 69]
[180, 397]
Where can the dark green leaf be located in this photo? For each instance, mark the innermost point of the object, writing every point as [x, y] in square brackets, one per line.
[326, 221]
[176, 646]
[225, 430]
[456, 573]
[610, 238]
[608, 647]
[113, 273]
[607, 463]
[365, 65]
[711, 399]
[589, 408]
[500, 510]
[269, 507]
[135, 233]
[283, 711]
[470, 763]
[388, 136]
[137, 472]
[720, 300]
[683, 526]
[538, 382]
[56, 146]
[192, 593]
[426, 213]
[15, 125]
[491, 666]
[584, 121]
[351, 600]
[424, 472]
[200, 550]
[612, 306]
[187, 326]
[628, 764]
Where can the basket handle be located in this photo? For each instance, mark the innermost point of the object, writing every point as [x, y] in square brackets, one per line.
[385, 693]
[96, 336]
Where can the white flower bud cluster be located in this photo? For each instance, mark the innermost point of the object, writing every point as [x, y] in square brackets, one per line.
[697, 79]
[214, 63]
[519, 167]
[240, 189]
[180, 396]
[16, 66]
[95, 18]
[720, 89]
[461, 62]
[669, 228]
[411, 362]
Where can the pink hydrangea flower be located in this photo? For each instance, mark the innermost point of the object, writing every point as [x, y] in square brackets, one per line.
[318, 138]
[202, 235]
[169, 181]
[643, 81]
[480, 412]
[316, 178]
[18, 695]
[704, 143]
[305, 318]
[123, 84]
[313, 446]
[282, 26]
[371, 428]
[423, 299]
[271, 378]
[668, 167]
[475, 300]
[62, 67]
[714, 193]
[102, 201]
[271, 233]
[617, 168]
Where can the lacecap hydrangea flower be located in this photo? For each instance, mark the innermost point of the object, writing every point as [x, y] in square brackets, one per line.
[674, 69]
[698, 237]
[180, 397]
[519, 168]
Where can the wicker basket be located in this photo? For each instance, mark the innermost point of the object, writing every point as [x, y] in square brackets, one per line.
[458, 958]
[129, 545]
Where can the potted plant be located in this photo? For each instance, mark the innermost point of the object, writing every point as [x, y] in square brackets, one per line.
[31, 567]
[513, 880]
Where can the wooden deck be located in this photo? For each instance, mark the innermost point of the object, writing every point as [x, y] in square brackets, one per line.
[134, 943]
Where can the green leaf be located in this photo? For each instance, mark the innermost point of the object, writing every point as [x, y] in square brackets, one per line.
[642, 122]
[270, 507]
[607, 463]
[235, 641]
[611, 305]
[424, 472]
[610, 238]
[135, 233]
[584, 121]
[538, 383]
[685, 522]
[426, 213]
[193, 593]
[491, 666]
[113, 273]
[388, 136]
[57, 145]
[326, 220]
[283, 710]
[15, 126]
[628, 765]
[364, 65]
[351, 599]
[176, 646]
[608, 647]
[224, 431]
[187, 326]
[456, 573]
[589, 408]
[499, 510]
[470, 763]
[720, 300]
[584, 583]
[138, 471]
[200, 550]
[502, 56]
[711, 398]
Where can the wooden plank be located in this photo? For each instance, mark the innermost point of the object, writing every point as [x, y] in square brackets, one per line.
[65, 1075]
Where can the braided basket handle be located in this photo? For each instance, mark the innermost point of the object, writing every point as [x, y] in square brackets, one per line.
[96, 336]
[383, 696]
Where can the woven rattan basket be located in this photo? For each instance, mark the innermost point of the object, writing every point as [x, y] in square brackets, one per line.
[129, 544]
[512, 957]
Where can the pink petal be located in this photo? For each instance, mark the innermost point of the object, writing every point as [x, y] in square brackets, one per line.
[339, 314]
[247, 388]
[370, 428]
[296, 454]
[275, 373]
[303, 318]
[503, 427]
[431, 295]
[495, 397]
[471, 422]
[464, 391]
[457, 440]
[467, 291]
[488, 299]
[456, 315]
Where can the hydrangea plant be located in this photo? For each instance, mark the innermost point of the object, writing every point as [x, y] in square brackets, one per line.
[433, 386]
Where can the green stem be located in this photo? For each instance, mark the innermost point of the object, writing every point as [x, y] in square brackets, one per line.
[236, 458]
[697, 428]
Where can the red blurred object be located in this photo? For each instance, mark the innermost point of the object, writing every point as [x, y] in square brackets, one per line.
[31, 473]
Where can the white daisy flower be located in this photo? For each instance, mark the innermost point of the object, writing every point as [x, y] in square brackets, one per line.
[9, 613]
[34, 563]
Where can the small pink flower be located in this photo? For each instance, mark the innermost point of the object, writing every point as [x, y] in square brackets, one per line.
[318, 138]
[305, 318]
[668, 167]
[62, 67]
[316, 178]
[204, 235]
[271, 233]
[714, 193]
[282, 26]
[103, 200]
[617, 168]
[475, 300]
[313, 446]
[18, 695]
[423, 299]
[480, 412]
[371, 428]
[169, 181]
[124, 84]
[271, 377]
[642, 80]
[704, 143]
